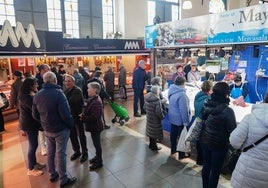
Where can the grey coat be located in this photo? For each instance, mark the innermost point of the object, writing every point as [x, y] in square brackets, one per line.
[251, 170]
[154, 115]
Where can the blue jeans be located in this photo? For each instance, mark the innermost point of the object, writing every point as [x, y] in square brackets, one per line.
[32, 136]
[138, 95]
[175, 132]
[96, 139]
[56, 146]
[213, 160]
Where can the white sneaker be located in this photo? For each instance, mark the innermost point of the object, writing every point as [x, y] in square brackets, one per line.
[39, 166]
[34, 172]
[43, 152]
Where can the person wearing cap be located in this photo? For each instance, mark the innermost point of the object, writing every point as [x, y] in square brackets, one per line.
[193, 75]
[239, 89]
[138, 84]
[179, 72]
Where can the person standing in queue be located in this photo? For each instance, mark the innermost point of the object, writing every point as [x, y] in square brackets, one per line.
[92, 117]
[76, 101]
[138, 84]
[51, 109]
[122, 80]
[178, 112]
[219, 121]
[109, 82]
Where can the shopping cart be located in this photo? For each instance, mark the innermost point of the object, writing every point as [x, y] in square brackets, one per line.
[121, 113]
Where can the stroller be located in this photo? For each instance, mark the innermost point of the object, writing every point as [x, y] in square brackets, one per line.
[121, 113]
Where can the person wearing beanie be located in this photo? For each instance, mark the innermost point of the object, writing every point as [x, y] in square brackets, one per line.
[239, 89]
[138, 84]
[154, 116]
[219, 121]
[178, 113]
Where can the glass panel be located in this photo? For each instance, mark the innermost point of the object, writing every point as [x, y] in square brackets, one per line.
[75, 15]
[76, 33]
[10, 10]
[50, 4]
[175, 12]
[68, 24]
[2, 8]
[2, 19]
[51, 24]
[75, 8]
[50, 14]
[10, 2]
[56, 4]
[58, 14]
[75, 25]
[67, 6]
[68, 15]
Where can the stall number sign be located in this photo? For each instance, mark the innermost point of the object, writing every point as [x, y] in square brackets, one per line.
[17, 34]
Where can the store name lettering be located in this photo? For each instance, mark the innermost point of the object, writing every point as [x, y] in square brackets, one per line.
[251, 16]
[18, 34]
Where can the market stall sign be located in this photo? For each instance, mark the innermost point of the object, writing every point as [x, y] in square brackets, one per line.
[102, 45]
[17, 39]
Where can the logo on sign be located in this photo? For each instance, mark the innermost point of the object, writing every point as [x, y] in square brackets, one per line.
[18, 34]
[132, 45]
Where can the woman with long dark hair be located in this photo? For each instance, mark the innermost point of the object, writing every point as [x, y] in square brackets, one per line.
[29, 125]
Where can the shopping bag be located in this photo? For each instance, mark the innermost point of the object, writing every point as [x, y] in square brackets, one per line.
[3, 101]
[183, 145]
[194, 131]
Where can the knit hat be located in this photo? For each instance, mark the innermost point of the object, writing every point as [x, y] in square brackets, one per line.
[17, 73]
[221, 92]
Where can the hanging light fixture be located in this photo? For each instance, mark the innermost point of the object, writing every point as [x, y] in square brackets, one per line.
[187, 5]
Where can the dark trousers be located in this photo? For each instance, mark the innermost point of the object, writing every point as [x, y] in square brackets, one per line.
[2, 122]
[152, 143]
[111, 94]
[78, 132]
[32, 136]
[96, 139]
[199, 157]
[125, 92]
[175, 132]
[138, 95]
[213, 160]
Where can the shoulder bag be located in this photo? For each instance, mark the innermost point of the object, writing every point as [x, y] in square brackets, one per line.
[235, 154]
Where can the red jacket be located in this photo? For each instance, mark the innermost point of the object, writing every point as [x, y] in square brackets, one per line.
[92, 116]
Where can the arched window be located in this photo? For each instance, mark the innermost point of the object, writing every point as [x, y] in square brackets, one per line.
[7, 12]
[71, 18]
[54, 15]
[217, 6]
[108, 17]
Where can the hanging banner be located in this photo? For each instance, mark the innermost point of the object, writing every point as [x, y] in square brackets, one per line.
[245, 25]
[21, 62]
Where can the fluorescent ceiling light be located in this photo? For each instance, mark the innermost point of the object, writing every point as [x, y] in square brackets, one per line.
[187, 5]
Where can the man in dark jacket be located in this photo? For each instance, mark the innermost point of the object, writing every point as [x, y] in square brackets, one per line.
[122, 81]
[138, 84]
[15, 88]
[75, 98]
[109, 82]
[51, 109]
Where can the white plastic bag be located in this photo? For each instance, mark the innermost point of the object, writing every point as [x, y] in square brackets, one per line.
[1, 102]
[183, 145]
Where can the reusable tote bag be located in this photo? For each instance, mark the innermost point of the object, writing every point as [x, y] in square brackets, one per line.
[183, 145]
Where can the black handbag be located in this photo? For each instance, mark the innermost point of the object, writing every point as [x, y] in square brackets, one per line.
[5, 101]
[234, 154]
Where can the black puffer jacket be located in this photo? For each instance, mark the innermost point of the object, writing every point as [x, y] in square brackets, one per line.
[219, 123]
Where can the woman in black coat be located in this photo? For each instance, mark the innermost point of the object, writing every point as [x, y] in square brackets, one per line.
[29, 124]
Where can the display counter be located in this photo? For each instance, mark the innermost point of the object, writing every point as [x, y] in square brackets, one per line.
[191, 91]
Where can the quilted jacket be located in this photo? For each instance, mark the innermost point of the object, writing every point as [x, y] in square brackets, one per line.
[251, 170]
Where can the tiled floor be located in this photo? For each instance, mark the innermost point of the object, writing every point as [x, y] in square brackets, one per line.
[128, 162]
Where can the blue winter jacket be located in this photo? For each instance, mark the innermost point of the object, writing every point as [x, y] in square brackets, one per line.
[51, 109]
[139, 78]
[178, 108]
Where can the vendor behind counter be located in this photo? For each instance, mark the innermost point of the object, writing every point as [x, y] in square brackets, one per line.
[239, 89]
